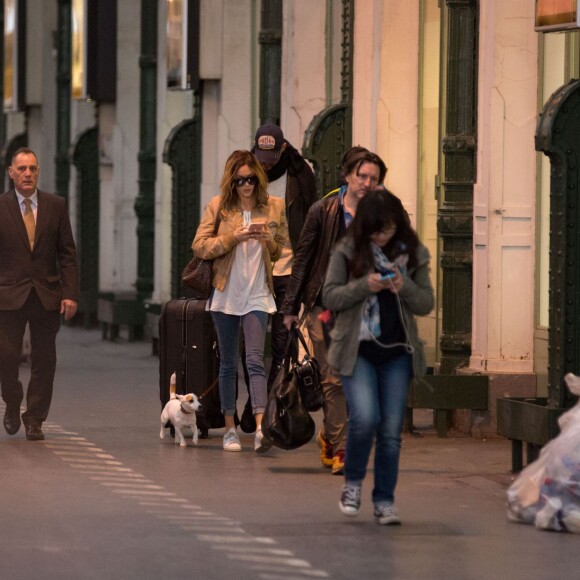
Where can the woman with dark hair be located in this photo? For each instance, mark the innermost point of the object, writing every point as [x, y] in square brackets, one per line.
[377, 281]
[250, 237]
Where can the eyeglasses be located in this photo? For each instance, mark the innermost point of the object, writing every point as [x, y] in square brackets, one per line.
[250, 180]
[363, 177]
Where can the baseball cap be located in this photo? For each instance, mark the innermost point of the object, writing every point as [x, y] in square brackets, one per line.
[267, 143]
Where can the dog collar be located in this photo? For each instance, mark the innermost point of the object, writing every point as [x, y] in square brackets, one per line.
[185, 411]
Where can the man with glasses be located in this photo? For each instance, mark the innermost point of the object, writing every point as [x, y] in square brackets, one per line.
[38, 284]
[325, 224]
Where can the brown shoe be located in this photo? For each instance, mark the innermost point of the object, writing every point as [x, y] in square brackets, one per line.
[325, 449]
[338, 463]
[34, 432]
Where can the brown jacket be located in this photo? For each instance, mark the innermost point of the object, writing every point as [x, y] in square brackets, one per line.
[51, 268]
[220, 248]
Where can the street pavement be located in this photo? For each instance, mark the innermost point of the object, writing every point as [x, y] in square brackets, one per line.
[105, 498]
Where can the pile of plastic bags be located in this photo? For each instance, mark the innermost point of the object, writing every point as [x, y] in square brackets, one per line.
[547, 491]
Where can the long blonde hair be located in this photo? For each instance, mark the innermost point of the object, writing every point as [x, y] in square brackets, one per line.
[229, 197]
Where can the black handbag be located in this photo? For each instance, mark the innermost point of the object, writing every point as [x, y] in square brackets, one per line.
[198, 273]
[286, 422]
[307, 373]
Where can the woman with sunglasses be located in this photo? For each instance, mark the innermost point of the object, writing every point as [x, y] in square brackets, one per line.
[250, 237]
[377, 282]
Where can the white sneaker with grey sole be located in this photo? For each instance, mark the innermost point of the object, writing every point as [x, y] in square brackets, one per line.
[232, 441]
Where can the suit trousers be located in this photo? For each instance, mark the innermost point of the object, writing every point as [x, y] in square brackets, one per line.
[44, 326]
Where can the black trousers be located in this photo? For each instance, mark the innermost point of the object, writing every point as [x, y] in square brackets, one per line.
[44, 326]
[279, 332]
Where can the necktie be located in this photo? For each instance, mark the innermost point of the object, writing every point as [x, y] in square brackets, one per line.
[29, 221]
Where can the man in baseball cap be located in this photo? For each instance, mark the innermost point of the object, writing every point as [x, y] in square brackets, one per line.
[269, 144]
[292, 179]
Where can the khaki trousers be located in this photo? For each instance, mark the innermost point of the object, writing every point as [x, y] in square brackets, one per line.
[335, 413]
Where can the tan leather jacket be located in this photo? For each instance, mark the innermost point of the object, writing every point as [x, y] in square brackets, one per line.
[220, 248]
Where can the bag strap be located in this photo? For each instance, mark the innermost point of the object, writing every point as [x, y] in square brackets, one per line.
[302, 340]
[288, 350]
[216, 226]
[294, 335]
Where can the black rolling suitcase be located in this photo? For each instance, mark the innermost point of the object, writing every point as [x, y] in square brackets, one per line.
[188, 347]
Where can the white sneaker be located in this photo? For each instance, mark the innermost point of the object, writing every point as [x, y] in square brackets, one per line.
[232, 441]
[261, 442]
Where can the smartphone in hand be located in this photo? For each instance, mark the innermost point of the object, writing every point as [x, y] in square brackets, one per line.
[388, 275]
[257, 227]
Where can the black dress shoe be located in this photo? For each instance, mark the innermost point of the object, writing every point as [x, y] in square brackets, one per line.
[33, 432]
[12, 421]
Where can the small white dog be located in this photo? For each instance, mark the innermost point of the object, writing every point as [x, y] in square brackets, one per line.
[180, 410]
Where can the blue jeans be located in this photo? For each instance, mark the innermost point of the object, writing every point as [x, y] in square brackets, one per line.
[227, 326]
[376, 396]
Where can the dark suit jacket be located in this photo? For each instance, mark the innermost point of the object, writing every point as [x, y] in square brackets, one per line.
[51, 268]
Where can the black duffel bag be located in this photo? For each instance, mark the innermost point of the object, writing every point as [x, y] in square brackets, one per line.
[286, 422]
[307, 373]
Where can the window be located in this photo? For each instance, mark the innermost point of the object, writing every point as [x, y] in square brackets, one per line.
[181, 44]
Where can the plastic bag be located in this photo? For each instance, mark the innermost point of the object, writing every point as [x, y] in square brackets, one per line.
[547, 491]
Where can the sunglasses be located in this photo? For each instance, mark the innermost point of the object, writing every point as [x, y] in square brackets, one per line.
[250, 180]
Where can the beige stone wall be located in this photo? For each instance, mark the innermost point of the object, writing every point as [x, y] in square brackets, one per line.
[385, 103]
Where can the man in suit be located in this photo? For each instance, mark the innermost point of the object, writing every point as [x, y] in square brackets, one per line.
[38, 284]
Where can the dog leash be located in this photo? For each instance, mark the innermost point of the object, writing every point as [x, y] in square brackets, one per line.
[211, 387]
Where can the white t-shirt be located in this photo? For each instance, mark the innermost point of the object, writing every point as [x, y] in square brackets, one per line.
[247, 287]
[282, 266]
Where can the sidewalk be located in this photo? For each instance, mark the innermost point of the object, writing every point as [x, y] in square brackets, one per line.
[451, 493]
